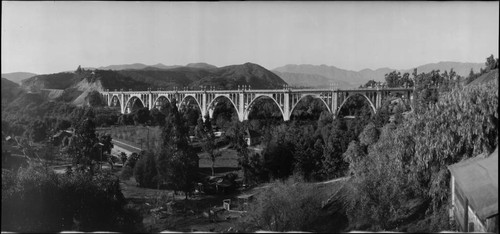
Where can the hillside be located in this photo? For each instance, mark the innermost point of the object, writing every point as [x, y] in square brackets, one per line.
[61, 80]
[310, 80]
[17, 77]
[10, 91]
[334, 74]
[484, 78]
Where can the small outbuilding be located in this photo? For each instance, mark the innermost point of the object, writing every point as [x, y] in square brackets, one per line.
[252, 137]
[474, 193]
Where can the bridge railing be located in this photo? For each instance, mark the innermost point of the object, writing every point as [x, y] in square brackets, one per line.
[259, 90]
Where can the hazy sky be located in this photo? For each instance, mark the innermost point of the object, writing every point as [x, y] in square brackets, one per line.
[49, 37]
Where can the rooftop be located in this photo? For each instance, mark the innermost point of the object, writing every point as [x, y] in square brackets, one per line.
[478, 179]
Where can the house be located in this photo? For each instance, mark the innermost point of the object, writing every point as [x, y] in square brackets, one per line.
[252, 137]
[10, 140]
[474, 193]
[58, 137]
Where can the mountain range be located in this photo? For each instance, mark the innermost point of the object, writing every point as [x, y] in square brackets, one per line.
[74, 86]
[322, 75]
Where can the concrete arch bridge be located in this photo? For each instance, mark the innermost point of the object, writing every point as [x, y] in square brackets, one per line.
[244, 100]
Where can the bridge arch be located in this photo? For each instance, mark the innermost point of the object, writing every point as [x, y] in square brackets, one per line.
[131, 102]
[115, 101]
[211, 107]
[374, 110]
[260, 97]
[308, 95]
[161, 96]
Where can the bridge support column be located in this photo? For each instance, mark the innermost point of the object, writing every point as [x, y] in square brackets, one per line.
[108, 99]
[150, 100]
[378, 102]
[204, 107]
[286, 107]
[241, 107]
[122, 104]
[334, 103]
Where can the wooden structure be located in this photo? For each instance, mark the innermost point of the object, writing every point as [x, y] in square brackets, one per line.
[474, 194]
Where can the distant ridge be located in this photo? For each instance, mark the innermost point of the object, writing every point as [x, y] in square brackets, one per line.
[300, 73]
[158, 66]
[17, 77]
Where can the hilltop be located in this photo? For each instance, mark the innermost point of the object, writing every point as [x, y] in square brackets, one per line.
[229, 77]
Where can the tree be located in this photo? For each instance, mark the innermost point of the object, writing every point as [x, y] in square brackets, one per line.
[370, 84]
[307, 157]
[37, 131]
[83, 146]
[177, 163]
[491, 63]
[393, 79]
[145, 171]
[335, 144]
[206, 134]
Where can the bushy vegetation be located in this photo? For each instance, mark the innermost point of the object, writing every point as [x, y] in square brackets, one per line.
[35, 199]
[408, 162]
[289, 205]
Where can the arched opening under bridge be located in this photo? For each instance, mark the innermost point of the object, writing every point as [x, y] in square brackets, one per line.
[134, 103]
[222, 112]
[309, 108]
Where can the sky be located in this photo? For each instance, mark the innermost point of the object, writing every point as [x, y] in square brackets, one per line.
[49, 36]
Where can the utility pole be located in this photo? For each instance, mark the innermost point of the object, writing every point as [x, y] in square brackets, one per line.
[100, 147]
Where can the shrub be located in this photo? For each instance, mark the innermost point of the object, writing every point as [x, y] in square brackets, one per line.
[145, 172]
[284, 206]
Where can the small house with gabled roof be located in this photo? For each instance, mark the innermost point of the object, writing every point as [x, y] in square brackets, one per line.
[474, 193]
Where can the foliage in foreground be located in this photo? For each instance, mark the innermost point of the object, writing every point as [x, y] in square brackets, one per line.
[290, 205]
[409, 161]
[35, 199]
